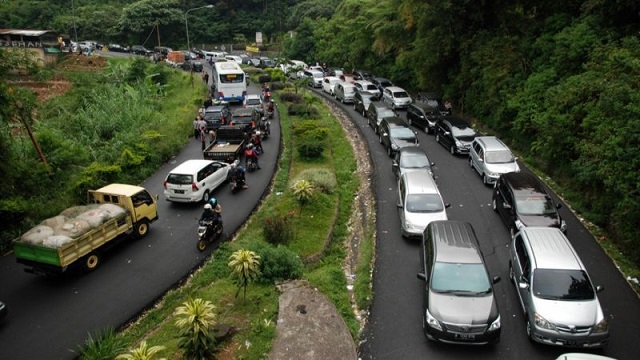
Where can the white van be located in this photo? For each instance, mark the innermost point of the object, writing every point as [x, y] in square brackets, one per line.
[195, 180]
[419, 202]
[345, 92]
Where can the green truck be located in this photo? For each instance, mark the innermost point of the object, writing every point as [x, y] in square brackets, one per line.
[80, 235]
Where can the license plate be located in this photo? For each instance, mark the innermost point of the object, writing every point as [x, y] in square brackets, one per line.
[179, 191]
[465, 336]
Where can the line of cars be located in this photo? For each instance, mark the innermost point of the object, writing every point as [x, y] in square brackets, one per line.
[558, 299]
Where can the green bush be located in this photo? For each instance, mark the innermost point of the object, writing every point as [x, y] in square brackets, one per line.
[291, 97]
[322, 179]
[310, 148]
[278, 229]
[303, 110]
[137, 70]
[278, 85]
[278, 264]
[310, 128]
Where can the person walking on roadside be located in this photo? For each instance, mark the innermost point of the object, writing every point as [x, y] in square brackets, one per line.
[203, 136]
[196, 127]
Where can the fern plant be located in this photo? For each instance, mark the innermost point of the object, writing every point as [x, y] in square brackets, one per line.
[196, 319]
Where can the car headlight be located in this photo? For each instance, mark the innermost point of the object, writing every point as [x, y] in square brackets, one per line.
[542, 322]
[495, 325]
[519, 224]
[492, 174]
[602, 326]
[410, 225]
[433, 322]
[459, 144]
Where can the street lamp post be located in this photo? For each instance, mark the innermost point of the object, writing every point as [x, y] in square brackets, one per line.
[186, 23]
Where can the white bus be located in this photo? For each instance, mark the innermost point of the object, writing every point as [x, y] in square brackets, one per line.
[229, 81]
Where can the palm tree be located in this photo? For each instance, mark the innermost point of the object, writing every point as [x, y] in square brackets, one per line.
[303, 190]
[142, 352]
[196, 319]
[245, 266]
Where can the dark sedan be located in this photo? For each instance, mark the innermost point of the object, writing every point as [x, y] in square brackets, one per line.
[118, 48]
[361, 101]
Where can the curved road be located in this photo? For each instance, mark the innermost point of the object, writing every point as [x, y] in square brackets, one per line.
[49, 318]
[394, 329]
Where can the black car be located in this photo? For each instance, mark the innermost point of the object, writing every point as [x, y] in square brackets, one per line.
[411, 158]
[521, 200]
[454, 134]
[140, 50]
[394, 134]
[361, 101]
[245, 117]
[434, 100]
[422, 115]
[362, 75]
[194, 65]
[216, 116]
[117, 48]
[377, 111]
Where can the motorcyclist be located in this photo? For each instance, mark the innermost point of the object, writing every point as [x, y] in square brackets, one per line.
[256, 140]
[236, 173]
[270, 108]
[251, 154]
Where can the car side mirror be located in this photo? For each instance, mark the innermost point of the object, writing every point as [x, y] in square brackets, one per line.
[433, 164]
[422, 276]
[446, 206]
[599, 288]
[558, 206]
[421, 116]
[447, 133]
[506, 206]
[496, 279]
[480, 159]
[385, 134]
[394, 164]
[523, 285]
[399, 205]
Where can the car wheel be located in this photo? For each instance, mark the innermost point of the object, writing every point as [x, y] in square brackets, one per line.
[389, 152]
[141, 228]
[485, 179]
[437, 138]
[494, 205]
[512, 231]
[470, 162]
[529, 336]
[452, 149]
[205, 196]
[380, 139]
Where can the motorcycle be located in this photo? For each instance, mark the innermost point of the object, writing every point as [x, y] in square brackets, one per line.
[265, 128]
[208, 232]
[237, 185]
[270, 110]
[251, 165]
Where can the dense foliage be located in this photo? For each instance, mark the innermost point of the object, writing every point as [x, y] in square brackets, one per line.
[557, 80]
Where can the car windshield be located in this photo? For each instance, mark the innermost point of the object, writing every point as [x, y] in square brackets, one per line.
[180, 179]
[212, 116]
[349, 90]
[461, 279]
[499, 157]
[463, 132]
[402, 133]
[385, 83]
[414, 162]
[424, 203]
[231, 78]
[400, 94]
[383, 113]
[555, 284]
[535, 205]
[318, 75]
[253, 101]
[370, 87]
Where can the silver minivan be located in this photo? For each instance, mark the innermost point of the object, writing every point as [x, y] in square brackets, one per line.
[558, 299]
[419, 202]
[491, 158]
[345, 92]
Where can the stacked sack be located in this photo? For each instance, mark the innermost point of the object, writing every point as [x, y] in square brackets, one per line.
[71, 224]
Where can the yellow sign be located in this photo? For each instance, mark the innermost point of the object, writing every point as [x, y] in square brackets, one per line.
[252, 49]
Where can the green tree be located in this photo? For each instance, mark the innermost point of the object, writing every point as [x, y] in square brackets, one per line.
[195, 322]
[245, 267]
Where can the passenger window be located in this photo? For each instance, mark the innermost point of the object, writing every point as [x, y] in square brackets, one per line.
[523, 258]
[141, 198]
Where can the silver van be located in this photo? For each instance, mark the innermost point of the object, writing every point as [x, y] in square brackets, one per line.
[419, 202]
[345, 92]
[459, 302]
[491, 158]
[558, 299]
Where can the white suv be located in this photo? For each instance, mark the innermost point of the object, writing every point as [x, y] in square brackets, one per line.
[195, 180]
[491, 158]
[396, 97]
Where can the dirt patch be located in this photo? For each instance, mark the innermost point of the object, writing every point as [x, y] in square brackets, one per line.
[82, 62]
[45, 90]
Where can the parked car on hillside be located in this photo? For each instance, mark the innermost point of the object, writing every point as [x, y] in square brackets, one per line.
[365, 85]
[381, 83]
[394, 134]
[454, 134]
[140, 50]
[344, 92]
[491, 158]
[329, 84]
[396, 97]
[411, 158]
[423, 116]
[362, 75]
[434, 100]
[376, 112]
[361, 101]
[118, 48]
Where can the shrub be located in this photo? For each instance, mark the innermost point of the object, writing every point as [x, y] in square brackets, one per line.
[310, 128]
[322, 179]
[278, 85]
[303, 191]
[303, 110]
[105, 345]
[278, 264]
[278, 229]
[195, 318]
[291, 97]
[264, 79]
[310, 147]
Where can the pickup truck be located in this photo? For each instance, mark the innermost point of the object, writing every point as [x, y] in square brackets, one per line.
[81, 234]
[227, 146]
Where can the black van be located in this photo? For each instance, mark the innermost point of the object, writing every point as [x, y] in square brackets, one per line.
[459, 302]
[423, 116]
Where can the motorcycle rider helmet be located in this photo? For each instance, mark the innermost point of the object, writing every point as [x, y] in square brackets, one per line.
[207, 206]
[250, 146]
[257, 133]
[213, 202]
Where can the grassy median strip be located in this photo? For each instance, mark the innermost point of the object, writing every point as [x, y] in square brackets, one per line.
[319, 233]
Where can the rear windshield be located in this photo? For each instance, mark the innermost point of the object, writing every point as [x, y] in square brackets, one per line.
[180, 179]
[398, 132]
[414, 162]
[253, 101]
[370, 87]
[562, 285]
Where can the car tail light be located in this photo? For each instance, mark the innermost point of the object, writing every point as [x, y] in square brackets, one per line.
[164, 183]
[194, 186]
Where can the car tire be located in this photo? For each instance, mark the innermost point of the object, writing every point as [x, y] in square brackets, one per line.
[485, 179]
[452, 150]
[205, 196]
[494, 204]
[91, 261]
[389, 152]
[380, 139]
[528, 329]
[437, 138]
[470, 162]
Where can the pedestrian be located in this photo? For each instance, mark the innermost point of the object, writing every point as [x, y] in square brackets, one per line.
[205, 77]
[203, 137]
[447, 106]
[202, 123]
[212, 136]
[196, 127]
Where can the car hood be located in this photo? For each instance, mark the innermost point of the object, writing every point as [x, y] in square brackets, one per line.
[577, 313]
[421, 220]
[463, 309]
[502, 168]
[466, 140]
[551, 220]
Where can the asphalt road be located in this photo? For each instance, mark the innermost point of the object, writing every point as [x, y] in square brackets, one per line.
[394, 329]
[49, 318]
